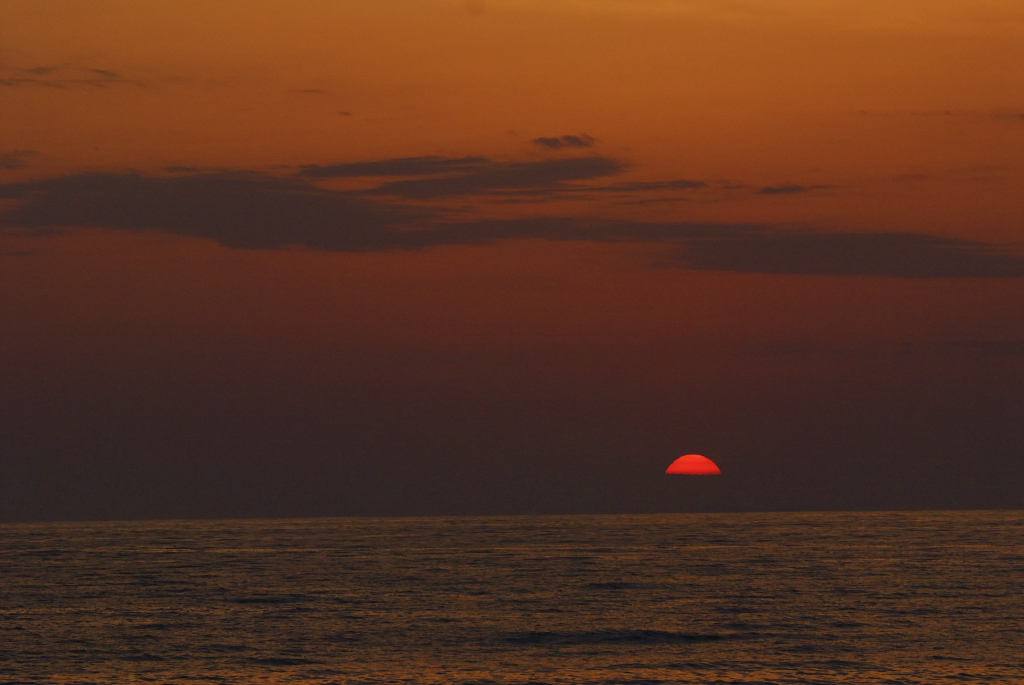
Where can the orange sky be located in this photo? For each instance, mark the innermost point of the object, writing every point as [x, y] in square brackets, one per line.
[866, 97]
[790, 129]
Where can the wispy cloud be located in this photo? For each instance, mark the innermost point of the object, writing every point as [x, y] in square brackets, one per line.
[893, 254]
[781, 190]
[492, 176]
[63, 77]
[438, 177]
[789, 189]
[958, 114]
[16, 159]
[582, 140]
[646, 186]
[403, 166]
[435, 177]
[973, 114]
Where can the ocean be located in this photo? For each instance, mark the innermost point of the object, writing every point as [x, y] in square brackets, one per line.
[893, 597]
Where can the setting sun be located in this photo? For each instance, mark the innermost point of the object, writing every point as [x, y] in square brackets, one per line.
[693, 465]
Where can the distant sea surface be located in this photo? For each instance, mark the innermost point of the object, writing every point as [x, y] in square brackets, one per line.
[922, 597]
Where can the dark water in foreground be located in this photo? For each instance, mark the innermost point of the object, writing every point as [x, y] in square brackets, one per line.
[771, 598]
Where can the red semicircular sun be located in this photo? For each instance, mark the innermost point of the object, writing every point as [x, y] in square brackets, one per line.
[694, 465]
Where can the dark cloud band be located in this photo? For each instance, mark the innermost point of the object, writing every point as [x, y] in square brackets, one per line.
[257, 210]
[235, 209]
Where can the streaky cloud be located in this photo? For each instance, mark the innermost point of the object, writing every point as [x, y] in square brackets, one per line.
[16, 159]
[647, 186]
[553, 143]
[63, 77]
[782, 190]
[550, 174]
[892, 254]
[404, 166]
[436, 177]
[582, 140]
[788, 189]
[41, 71]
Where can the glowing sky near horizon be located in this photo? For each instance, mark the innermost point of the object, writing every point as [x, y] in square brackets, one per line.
[298, 240]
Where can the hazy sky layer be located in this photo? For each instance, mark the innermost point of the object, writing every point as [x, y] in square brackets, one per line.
[317, 258]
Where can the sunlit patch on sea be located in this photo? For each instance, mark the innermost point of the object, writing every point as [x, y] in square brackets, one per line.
[920, 597]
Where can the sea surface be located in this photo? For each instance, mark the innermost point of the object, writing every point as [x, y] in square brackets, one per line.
[911, 597]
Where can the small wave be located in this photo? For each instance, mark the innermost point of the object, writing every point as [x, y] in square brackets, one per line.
[271, 599]
[341, 638]
[601, 637]
[611, 586]
[44, 552]
[223, 648]
[143, 657]
[196, 676]
[284, 661]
